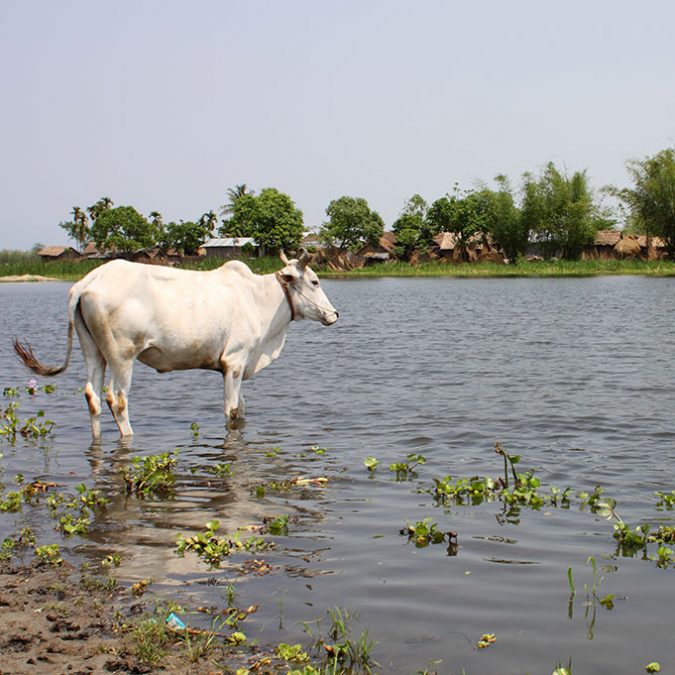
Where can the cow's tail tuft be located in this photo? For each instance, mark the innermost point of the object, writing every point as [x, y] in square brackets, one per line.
[25, 353]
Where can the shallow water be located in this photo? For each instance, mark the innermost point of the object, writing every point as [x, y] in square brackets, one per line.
[575, 375]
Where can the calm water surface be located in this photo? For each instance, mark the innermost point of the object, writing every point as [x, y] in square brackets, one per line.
[575, 375]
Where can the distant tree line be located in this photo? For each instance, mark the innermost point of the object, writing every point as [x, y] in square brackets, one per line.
[557, 211]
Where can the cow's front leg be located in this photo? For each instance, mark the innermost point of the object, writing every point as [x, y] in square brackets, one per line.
[232, 379]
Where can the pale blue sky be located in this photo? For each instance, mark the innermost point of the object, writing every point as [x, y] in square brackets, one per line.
[164, 105]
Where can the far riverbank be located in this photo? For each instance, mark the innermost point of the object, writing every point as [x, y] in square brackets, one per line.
[37, 270]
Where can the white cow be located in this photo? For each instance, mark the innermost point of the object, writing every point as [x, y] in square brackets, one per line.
[229, 319]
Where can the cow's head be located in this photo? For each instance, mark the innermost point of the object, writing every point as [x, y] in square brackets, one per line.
[303, 291]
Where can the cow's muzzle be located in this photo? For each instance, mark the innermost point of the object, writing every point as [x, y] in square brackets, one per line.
[330, 319]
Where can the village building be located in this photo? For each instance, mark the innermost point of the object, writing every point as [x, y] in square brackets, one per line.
[382, 251]
[311, 241]
[612, 244]
[479, 248]
[229, 247]
[52, 253]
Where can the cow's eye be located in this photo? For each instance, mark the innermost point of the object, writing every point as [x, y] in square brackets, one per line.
[315, 283]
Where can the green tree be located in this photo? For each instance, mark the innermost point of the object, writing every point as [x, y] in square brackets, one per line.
[78, 228]
[351, 224]
[184, 237]
[559, 212]
[505, 224]
[411, 228]
[122, 229]
[465, 214]
[651, 201]
[271, 218]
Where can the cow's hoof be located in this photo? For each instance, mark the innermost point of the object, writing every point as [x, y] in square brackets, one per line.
[235, 422]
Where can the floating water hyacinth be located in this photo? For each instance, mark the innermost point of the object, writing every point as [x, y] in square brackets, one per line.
[31, 386]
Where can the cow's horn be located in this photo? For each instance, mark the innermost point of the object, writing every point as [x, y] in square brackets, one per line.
[304, 259]
[283, 257]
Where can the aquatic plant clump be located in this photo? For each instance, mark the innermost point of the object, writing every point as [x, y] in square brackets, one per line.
[150, 475]
[213, 550]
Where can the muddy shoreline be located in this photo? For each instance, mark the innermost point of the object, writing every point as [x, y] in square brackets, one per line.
[58, 619]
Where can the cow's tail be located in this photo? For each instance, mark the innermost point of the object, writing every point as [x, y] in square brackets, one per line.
[25, 351]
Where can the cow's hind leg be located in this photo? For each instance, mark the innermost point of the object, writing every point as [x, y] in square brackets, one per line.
[95, 363]
[118, 394]
[118, 354]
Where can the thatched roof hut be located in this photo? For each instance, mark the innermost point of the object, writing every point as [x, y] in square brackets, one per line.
[49, 253]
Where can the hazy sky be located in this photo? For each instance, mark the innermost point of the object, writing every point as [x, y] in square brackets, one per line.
[164, 105]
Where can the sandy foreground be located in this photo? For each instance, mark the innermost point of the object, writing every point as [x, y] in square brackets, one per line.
[26, 277]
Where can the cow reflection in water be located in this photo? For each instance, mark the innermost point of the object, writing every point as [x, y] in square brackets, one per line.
[228, 319]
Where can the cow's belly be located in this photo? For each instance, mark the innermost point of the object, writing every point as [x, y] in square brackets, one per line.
[164, 361]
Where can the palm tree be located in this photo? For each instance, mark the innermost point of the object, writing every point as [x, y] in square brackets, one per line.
[78, 228]
[103, 204]
[233, 195]
[208, 221]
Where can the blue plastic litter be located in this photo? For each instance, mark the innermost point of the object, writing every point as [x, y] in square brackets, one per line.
[174, 621]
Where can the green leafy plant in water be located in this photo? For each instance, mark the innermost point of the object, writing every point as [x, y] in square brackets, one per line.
[74, 512]
[213, 549]
[664, 535]
[666, 500]
[150, 475]
[7, 549]
[36, 426]
[371, 464]
[558, 497]
[11, 502]
[561, 669]
[524, 491]
[630, 539]
[194, 428]
[406, 470]
[277, 526]
[50, 554]
[70, 524]
[111, 560]
[10, 545]
[474, 490]
[593, 499]
[9, 421]
[222, 470]
[293, 653]
[663, 557]
[425, 532]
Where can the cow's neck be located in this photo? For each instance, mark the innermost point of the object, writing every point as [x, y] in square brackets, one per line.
[275, 316]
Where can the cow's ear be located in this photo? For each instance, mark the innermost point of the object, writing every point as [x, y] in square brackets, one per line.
[289, 274]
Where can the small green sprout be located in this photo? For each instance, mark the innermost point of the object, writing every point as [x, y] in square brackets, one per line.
[371, 463]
